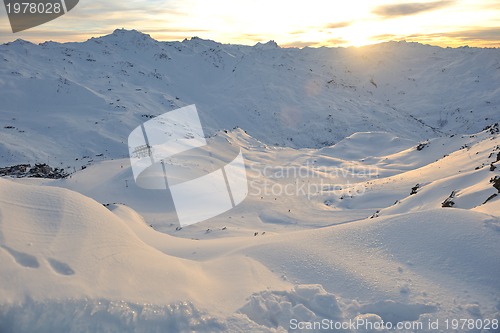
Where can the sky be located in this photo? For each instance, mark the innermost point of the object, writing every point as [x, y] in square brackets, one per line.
[291, 23]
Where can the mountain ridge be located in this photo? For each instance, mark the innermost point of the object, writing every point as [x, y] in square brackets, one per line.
[287, 97]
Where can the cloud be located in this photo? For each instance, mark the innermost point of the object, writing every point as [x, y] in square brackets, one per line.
[385, 37]
[254, 38]
[299, 44]
[338, 25]
[476, 36]
[485, 5]
[93, 18]
[330, 42]
[482, 37]
[336, 41]
[411, 8]
[487, 34]
[298, 32]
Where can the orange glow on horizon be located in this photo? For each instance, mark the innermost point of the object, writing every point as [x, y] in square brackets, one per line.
[291, 24]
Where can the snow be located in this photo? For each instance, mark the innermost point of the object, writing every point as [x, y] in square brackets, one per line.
[106, 316]
[350, 154]
[291, 97]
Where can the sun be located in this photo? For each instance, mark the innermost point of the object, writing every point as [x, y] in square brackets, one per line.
[358, 34]
[357, 39]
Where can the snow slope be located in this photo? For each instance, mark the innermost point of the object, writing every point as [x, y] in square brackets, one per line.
[293, 97]
[377, 205]
[324, 259]
[75, 247]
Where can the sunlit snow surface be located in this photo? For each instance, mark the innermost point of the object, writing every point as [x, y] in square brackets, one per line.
[357, 130]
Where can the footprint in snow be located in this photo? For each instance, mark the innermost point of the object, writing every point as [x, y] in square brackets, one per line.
[23, 259]
[60, 267]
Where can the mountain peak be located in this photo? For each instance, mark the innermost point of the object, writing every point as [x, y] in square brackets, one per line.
[195, 40]
[19, 41]
[125, 35]
[269, 45]
[131, 33]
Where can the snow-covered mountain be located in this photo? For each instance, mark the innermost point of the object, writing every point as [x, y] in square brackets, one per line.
[374, 188]
[292, 97]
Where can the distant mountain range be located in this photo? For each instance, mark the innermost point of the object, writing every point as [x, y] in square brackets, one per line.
[65, 101]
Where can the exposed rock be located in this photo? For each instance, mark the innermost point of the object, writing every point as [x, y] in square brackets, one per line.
[449, 201]
[36, 171]
[414, 189]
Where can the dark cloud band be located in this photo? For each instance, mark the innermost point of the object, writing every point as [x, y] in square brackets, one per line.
[411, 8]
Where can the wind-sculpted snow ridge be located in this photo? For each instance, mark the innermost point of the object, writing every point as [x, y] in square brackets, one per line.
[309, 308]
[86, 316]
